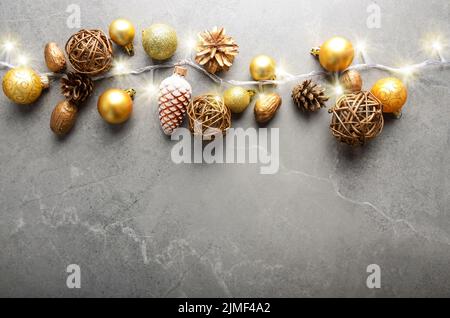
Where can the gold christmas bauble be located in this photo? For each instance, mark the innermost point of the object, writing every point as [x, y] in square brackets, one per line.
[116, 105]
[263, 68]
[336, 54]
[392, 93]
[122, 32]
[160, 41]
[238, 99]
[22, 85]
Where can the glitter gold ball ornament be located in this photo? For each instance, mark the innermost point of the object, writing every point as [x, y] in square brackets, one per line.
[263, 68]
[174, 97]
[160, 41]
[122, 32]
[392, 93]
[237, 99]
[116, 105]
[336, 54]
[23, 85]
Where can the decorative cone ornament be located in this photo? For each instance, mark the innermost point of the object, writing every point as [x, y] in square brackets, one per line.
[309, 96]
[76, 87]
[174, 97]
[216, 50]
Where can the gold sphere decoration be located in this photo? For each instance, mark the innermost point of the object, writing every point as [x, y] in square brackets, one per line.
[116, 105]
[392, 93]
[160, 41]
[263, 68]
[336, 54]
[23, 85]
[237, 99]
[122, 32]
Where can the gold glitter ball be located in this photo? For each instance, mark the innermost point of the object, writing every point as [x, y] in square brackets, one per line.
[160, 41]
[22, 85]
[392, 93]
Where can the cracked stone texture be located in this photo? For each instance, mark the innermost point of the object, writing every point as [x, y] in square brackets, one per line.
[110, 199]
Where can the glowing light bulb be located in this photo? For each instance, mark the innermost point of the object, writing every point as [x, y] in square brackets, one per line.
[120, 67]
[361, 47]
[23, 60]
[436, 46]
[190, 44]
[9, 46]
[338, 90]
[407, 70]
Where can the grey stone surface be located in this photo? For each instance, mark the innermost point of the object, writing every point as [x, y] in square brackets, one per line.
[111, 200]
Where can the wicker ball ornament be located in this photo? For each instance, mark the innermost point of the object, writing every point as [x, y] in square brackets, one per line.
[357, 118]
[90, 52]
[208, 116]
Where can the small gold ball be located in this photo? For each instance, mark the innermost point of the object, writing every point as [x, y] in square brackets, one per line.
[336, 54]
[392, 93]
[237, 99]
[122, 32]
[263, 68]
[22, 85]
[160, 41]
[115, 106]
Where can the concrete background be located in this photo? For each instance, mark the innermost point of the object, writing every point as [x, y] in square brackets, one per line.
[111, 200]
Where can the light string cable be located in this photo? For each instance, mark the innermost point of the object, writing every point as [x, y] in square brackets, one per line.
[284, 77]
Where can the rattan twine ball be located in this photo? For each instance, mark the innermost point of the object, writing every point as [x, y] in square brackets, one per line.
[90, 52]
[357, 118]
[209, 116]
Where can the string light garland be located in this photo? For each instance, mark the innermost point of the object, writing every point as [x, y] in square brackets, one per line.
[284, 77]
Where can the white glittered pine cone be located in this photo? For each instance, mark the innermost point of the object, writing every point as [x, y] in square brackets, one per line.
[174, 97]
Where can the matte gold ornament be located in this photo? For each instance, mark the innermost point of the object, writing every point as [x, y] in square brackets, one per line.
[54, 57]
[237, 99]
[63, 118]
[266, 107]
[122, 32]
[336, 54]
[116, 105]
[263, 68]
[392, 93]
[160, 41]
[351, 81]
[216, 50]
[23, 85]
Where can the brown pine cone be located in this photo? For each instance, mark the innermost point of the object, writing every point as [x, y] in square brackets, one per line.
[309, 96]
[216, 50]
[76, 87]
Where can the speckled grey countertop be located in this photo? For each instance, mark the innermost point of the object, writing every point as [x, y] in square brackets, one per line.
[112, 201]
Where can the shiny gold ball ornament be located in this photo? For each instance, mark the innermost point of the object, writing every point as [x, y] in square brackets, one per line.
[116, 105]
[237, 99]
[122, 32]
[392, 93]
[160, 41]
[336, 54]
[263, 68]
[23, 85]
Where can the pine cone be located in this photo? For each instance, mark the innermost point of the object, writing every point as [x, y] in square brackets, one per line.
[309, 96]
[216, 51]
[76, 87]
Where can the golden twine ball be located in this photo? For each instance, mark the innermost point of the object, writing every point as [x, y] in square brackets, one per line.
[357, 118]
[90, 52]
[209, 116]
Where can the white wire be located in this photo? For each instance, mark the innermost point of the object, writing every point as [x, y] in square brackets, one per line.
[288, 77]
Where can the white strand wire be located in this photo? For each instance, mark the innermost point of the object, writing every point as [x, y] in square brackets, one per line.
[287, 77]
